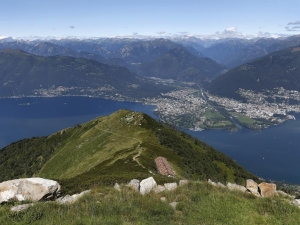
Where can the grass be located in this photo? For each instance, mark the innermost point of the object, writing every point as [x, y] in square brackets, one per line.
[198, 203]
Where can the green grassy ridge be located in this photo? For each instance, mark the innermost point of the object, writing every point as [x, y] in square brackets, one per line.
[116, 148]
[199, 203]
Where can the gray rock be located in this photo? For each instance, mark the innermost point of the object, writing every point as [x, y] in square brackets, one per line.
[32, 189]
[20, 208]
[236, 187]
[163, 199]
[65, 199]
[296, 202]
[173, 205]
[71, 199]
[284, 194]
[211, 182]
[252, 186]
[183, 182]
[159, 189]
[147, 185]
[170, 186]
[267, 189]
[117, 187]
[134, 184]
[219, 184]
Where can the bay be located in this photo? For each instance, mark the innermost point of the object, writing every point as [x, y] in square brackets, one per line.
[273, 153]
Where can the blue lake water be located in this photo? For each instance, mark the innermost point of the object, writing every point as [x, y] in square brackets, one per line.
[273, 153]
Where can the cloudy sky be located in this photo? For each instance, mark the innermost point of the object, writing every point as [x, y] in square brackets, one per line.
[108, 18]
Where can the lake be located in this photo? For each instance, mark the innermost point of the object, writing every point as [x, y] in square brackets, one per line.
[273, 153]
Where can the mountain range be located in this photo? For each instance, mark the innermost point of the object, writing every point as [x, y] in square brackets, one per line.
[24, 74]
[179, 64]
[278, 69]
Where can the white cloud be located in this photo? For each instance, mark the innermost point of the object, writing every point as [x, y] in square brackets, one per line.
[230, 30]
[72, 27]
[161, 32]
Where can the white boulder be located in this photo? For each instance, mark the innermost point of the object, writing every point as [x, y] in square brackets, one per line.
[32, 189]
[147, 185]
[252, 186]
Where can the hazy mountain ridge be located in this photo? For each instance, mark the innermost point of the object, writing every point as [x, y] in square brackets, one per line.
[278, 69]
[23, 74]
[179, 64]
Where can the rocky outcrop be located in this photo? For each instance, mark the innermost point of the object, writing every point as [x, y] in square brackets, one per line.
[32, 189]
[252, 187]
[147, 185]
[267, 189]
[262, 190]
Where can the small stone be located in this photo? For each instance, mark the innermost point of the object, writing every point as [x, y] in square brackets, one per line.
[163, 199]
[117, 187]
[71, 199]
[285, 194]
[159, 189]
[211, 182]
[183, 182]
[296, 202]
[20, 208]
[173, 205]
[170, 186]
[219, 184]
[134, 184]
[236, 187]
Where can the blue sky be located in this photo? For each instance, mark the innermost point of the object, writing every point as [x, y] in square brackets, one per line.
[107, 18]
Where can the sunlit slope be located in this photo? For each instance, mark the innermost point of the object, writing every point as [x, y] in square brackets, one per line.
[116, 148]
[105, 141]
[128, 142]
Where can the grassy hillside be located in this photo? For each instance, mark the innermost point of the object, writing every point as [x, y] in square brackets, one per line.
[116, 148]
[199, 203]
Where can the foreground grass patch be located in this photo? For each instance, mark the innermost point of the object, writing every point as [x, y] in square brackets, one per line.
[198, 203]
